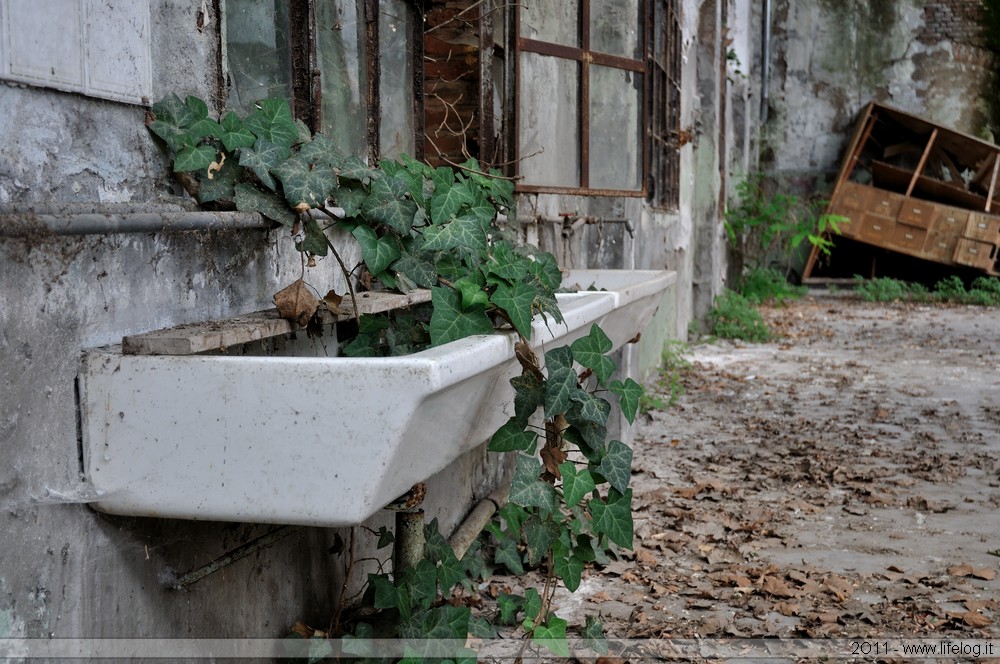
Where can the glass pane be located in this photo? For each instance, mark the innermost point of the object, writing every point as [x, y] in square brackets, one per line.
[615, 129]
[395, 79]
[550, 120]
[555, 21]
[616, 28]
[257, 52]
[341, 52]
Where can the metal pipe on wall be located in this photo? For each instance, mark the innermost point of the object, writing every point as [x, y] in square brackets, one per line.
[49, 221]
[765, 61]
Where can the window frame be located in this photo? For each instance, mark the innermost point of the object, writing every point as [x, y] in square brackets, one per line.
[664, 138]
[585, 57]
[305, 77]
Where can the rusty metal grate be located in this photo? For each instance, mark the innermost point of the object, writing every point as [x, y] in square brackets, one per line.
[663, 177]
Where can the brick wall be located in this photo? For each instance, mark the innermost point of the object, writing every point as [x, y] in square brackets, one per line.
[956, 21]
[451, 81]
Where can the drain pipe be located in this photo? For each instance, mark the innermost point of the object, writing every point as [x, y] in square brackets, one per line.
[466, 534]
[48, 221]
[765, 64]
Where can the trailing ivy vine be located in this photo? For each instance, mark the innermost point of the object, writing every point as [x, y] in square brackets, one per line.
[437, 228]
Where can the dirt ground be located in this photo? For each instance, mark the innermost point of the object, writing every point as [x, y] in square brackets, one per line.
[841, 482]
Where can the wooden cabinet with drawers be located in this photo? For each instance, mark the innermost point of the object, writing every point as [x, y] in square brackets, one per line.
[913, 187]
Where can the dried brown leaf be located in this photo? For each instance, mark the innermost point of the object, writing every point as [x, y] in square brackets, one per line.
[772, 585]
[296, 303]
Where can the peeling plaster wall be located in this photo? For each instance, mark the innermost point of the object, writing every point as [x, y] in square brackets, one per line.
[721, 108]
[830, 58]
[66, 570]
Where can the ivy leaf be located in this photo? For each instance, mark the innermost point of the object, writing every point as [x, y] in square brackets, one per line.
[197, 107]
[173, 111]
[377, 252]
[482, 628]
[219, 184]
[559, 358]
[206, 127]
[629, 393]
[421, 582]
[387, 204]
[614, 517]
[570, 570]
[461, 232]
[439, 553]
[194, 158]
[473, 294]
[506, 554]
[576, 485]
[321, 151]
[509, 605]
[552, 635]
[302, 183]
[527, 489]
[273, 122]
[538, 537]
[529, 396]
[252, 199]
[532, 604]
[234, 134]
[449, 197]
[506, 263]
[616, 466]
[450, 322]
[593, 635]
[353, 168]
[512, 437]
[417, 268]
[385, 538]
[481, 210]
[516, 301]
[590, 432]
[177, 138]
[503, 190]
[560, 388]
[386, 596]
[263, 157]
[315, 239]
[545, 267]
[352, 198]
[590, 352]
[590, 408]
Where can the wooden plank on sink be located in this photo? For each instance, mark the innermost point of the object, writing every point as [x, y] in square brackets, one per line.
[193, 338]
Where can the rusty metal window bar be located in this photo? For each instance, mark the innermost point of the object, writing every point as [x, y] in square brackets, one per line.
[351, 68]
[663, 176]
[573, 74]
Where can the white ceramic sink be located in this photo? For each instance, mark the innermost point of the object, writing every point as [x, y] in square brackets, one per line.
[310, 439]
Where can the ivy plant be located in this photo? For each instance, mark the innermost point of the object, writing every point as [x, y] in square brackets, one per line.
[437, 228]
[417, 226]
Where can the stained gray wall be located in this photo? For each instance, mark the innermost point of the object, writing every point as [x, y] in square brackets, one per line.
[66, 570]
[830, 58]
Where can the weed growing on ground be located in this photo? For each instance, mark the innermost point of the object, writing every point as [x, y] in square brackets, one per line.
[669, 383]
[770, 285]
[735, 317]
[983, 291]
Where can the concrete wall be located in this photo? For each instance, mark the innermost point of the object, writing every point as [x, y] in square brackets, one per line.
[831, 58]
[66, 570]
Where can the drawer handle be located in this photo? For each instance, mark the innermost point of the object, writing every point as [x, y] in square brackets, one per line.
[917, 211]
[876, 227]
[909, 236]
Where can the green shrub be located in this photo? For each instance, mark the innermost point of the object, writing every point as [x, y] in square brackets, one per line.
[734, 317]
[886, 289]
[769, 285]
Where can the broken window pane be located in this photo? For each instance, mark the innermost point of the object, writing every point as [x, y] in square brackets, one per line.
[341, 52]
[257, 56]
[616, 28]
[550, 121]
[397, 133]
[553, 21]
[615, 128]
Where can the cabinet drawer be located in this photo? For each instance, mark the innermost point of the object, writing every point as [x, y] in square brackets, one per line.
[985, 227]
[917, 213]
[884, 203]
[940, 246]
[853, 196]
[974, 253]
[876, 229]
[908, 237]
[952, 220]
